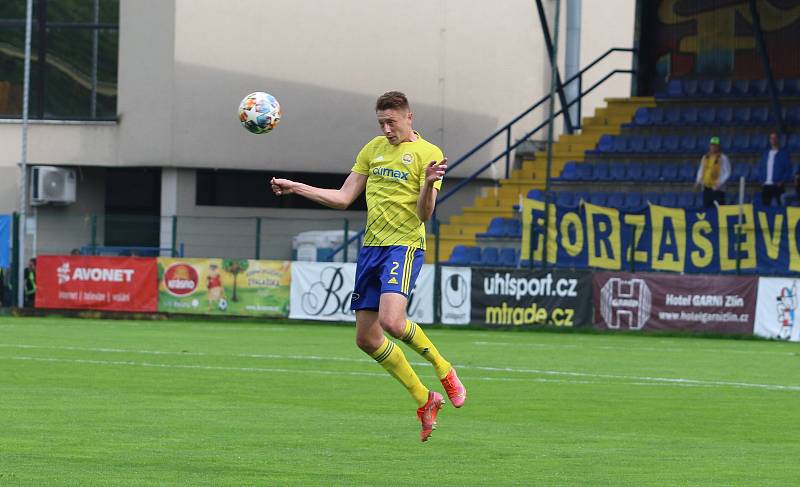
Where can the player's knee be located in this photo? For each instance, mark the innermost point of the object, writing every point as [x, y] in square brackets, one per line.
[394, 327]
[367, 344]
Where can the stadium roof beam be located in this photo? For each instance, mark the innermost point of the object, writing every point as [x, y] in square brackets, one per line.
[554, 64]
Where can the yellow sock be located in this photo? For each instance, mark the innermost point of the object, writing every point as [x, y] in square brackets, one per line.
[392, 358]
[419, 341]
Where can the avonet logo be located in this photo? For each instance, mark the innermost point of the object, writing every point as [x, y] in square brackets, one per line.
[181, 279]
[391, 173]
[93, 274]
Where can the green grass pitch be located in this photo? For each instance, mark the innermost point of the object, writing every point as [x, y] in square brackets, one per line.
[103, 402]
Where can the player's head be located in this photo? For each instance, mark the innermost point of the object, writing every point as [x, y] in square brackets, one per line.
[394, 117]
[774, 140]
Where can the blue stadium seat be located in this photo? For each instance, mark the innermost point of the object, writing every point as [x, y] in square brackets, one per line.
[686, 200]
[569, 172]
[740, 169]
[652, 172]
[669, 199]
[620, 144]
[741, 87]
[690, 88]
[759, 115]
[724, 116]
[791, 87]
[741, 115]
[605, 144]
[598, 198]
[601, 171]
[508, 257]
[706, 116]
[653, 143]
[581, 195]
[689, 116]
[741, 143]
[793, 115]
[794, 142]
[672, 116]
[651, 197]
[641, 117]
[656, 116]
[636, 143]
[490, 257]
[723, 87]
[687, 172]
[759, 88]
[706, 87]
[675, 88]
[585, 171]
[513, 228]
[758, 142]
[497, 229]
[633, 201]
[670, 143]
[616, 199]
[669, 172]
[725, 142]
[617, 171]
[464, 255]
[536, 194]
[780, 86]
[635, 171]
[688, 143]
[565, 198]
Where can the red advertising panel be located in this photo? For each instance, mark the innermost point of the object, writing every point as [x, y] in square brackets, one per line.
[101, 283]
[697, 303]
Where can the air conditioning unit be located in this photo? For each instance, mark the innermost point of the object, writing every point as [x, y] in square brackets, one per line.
[53, 185]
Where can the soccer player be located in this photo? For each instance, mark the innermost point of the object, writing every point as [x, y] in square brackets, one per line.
[402, 174]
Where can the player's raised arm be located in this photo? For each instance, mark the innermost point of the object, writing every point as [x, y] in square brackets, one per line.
[434, 172]
[339, 199]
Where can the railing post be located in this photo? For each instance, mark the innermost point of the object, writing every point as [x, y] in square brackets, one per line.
[508, 150]
[437, 284]
[738, 249]
[174, 233]
[258, 238]
[93, 241]
[14, 281]
[346, 239]
[633, 249]
[531, 237]
[580, 101]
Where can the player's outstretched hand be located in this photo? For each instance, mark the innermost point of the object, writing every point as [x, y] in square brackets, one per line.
[435, 171]
[282, 186]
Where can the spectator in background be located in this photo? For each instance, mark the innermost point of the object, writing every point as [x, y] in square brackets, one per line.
[713, 173]
[30, 284]
[774, 169]
[793, 199]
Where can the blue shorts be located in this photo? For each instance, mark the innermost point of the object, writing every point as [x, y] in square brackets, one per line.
[381, 270]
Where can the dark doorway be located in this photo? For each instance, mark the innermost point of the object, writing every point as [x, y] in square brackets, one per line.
[133, 207]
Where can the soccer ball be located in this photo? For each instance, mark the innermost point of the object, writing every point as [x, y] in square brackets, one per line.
[259, 112]
[223, 304]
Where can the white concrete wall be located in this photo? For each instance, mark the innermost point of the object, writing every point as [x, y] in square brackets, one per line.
[468, 66]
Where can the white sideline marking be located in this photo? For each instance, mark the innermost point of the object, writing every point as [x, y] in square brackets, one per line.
[270, 369]
[637, 380]
[645, 349]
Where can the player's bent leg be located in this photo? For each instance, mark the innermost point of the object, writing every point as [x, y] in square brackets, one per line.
[391, 314]
[369, 334]
[388, 355]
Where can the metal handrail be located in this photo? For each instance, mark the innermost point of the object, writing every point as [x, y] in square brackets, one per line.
[537, 104]
[528, 135]
[507, 130]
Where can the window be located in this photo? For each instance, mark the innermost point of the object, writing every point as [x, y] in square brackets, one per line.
[251, 189]
[74, 52]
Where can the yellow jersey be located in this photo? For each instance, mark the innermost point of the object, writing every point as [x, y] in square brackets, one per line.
[395, 177]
